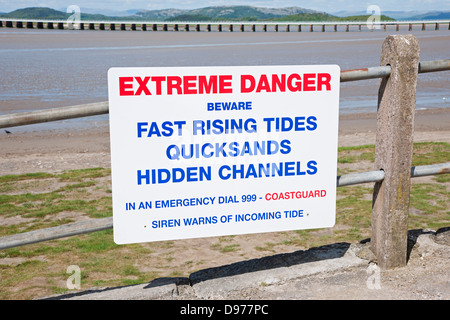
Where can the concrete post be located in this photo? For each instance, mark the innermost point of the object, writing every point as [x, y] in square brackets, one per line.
[393, 150]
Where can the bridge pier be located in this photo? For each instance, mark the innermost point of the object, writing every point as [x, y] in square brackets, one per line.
[208, 27]
[197, 27]
[437, 26]
[29, 25]
[276, 28]
[230, 28]
[265, 27]
[311, 28]
[299, 28]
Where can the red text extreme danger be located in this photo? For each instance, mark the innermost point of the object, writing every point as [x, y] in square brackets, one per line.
[223, 84]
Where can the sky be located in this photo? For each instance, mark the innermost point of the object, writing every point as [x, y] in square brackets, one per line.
[319, 5]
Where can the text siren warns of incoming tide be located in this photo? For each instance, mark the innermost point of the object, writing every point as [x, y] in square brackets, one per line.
[213, 151]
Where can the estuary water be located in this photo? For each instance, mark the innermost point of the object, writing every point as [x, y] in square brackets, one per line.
[53, 68]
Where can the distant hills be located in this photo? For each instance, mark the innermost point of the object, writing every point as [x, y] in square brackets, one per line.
[403, 15]
[217, 13]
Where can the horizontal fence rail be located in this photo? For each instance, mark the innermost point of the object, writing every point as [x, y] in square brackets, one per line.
[93, 109]
[88, 226]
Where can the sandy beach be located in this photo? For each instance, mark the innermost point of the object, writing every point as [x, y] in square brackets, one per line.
[58, 150]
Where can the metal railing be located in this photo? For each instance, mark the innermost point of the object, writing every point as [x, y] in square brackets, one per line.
[92, 109]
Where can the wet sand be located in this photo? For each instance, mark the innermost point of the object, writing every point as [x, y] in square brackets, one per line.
[58, 150]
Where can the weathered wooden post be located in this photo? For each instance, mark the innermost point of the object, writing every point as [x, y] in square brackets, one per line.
[393, 150]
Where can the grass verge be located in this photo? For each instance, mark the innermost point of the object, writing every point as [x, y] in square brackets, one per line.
[41, 200]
